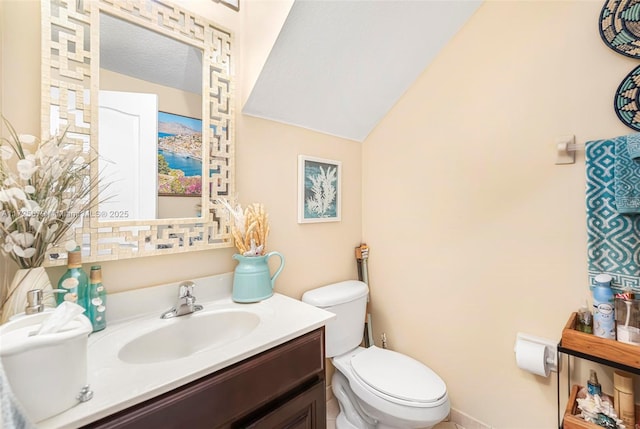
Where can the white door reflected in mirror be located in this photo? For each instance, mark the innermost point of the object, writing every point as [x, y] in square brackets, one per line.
[128, 155]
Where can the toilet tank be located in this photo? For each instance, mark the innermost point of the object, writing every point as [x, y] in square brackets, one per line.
[348, 301]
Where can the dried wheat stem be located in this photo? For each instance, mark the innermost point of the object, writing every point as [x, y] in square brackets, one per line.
[252, 224]
[238, 239]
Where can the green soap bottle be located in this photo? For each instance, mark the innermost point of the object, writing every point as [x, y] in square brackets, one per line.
[97, 299]
[75, 282]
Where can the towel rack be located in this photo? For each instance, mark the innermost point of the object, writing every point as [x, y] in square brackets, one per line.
[567, 147]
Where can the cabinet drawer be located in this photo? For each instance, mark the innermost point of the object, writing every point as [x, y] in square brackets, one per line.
[306, 410]
[229, 394]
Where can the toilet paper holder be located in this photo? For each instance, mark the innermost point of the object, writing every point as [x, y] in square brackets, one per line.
[551, 348]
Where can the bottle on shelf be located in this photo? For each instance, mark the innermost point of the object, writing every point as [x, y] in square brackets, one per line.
[593, 387]
[74, 282]
[585, 321]
[97, 299]
[604, 319]
[627, 313]
[623, 399]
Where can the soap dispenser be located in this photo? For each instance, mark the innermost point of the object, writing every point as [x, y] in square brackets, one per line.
[34, 302]
[35, 299]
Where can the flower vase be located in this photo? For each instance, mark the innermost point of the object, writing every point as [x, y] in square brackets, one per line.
[25, 279]
[252, 280]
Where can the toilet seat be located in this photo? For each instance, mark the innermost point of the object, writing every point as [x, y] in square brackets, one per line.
[397, 377]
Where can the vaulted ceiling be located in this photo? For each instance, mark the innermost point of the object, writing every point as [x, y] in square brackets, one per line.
[338, 66]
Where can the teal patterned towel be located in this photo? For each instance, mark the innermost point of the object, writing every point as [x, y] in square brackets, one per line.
[633, 146]
[613, 240]
[627, 174]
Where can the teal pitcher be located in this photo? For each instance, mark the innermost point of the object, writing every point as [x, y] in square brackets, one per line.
[252, 281]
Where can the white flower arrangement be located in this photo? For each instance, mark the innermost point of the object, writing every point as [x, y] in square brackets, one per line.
[45, 187]
[249, 229]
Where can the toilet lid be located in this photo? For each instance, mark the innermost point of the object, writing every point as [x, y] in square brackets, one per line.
[398, 376]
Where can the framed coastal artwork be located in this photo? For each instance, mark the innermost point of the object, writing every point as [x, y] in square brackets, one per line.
[179, 155]
[319, 189]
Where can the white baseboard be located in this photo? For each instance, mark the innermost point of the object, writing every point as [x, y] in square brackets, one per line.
[466, 421]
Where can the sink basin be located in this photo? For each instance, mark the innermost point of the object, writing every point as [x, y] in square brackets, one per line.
[185, 335]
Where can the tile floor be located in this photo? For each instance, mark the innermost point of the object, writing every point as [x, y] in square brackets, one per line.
[333, 409]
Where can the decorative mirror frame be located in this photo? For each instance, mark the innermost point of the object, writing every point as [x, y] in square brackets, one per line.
[70, 73]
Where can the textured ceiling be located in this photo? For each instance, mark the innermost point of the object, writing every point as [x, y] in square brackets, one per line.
[138, 52]
[337, 67]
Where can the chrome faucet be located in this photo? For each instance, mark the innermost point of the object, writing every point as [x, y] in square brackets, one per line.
[186, 302]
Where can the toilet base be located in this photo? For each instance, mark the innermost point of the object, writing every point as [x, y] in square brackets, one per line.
[351, 415]
[351, 407]
[343, 423]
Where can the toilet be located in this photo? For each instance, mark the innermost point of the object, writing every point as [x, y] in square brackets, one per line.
[376, 388]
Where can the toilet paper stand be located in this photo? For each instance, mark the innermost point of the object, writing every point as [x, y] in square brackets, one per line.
[550, 348]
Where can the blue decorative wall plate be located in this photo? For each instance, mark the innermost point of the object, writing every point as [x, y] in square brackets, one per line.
[626, 102]
[620, 26]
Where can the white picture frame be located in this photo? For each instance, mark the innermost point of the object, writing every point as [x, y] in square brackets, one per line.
[319, 189]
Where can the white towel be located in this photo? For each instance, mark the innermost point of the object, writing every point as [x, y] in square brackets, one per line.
[12, 416]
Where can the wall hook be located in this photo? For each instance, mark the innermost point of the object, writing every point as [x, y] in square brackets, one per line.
[566, 150]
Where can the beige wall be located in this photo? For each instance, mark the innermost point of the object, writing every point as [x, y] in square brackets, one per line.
[19, 103]
[475, 234]
[170, 100]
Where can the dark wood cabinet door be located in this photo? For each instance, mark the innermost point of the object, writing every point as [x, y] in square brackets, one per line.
[306, 410]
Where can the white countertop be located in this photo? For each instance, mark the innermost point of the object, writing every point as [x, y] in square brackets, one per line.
[118, 385]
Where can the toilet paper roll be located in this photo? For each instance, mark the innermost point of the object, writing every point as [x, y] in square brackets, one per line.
[532, 357]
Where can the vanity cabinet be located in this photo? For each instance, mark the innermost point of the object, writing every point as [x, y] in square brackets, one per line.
[283, 387]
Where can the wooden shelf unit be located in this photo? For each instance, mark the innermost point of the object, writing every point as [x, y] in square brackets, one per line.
[595, 349]
[588, 346]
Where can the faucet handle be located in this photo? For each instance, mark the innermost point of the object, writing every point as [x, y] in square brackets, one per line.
[186, 289]
[186, 302]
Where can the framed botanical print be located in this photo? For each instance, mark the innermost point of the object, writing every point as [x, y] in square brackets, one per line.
[319, 189]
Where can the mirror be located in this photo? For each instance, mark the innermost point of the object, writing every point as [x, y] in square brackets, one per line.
[161, 124]
[150, 123]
